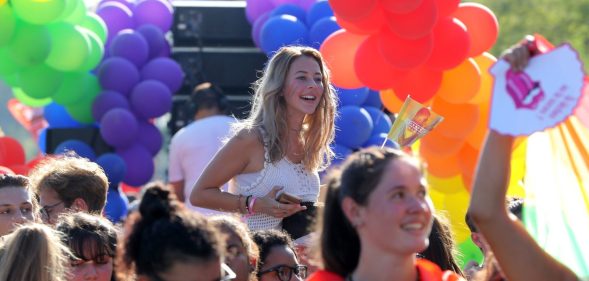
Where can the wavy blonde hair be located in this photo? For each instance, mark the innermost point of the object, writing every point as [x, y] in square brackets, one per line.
[34, 252]
[269, 110]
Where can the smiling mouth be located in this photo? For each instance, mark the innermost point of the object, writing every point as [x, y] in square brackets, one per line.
[416, 226]
[308, 98]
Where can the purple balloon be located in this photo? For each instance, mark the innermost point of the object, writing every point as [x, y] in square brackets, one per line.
[257, 28]
[156, 12]
[118, 74]
[154, 37]
[124, 2]
[140, 165]
[116, 16]
[130, 45]
[151, 99]
[150, 137]
[256, 8]
[165, 70]
[166, 50]
[106, 101]
[119, 128]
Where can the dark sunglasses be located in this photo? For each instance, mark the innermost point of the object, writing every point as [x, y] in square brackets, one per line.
[284, 272]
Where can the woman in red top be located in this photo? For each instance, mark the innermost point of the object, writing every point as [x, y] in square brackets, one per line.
[377, 217]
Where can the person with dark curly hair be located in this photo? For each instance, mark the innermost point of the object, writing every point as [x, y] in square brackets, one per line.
[278, 257]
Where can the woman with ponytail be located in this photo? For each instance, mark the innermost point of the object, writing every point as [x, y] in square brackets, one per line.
[170, 243]
[377, 217]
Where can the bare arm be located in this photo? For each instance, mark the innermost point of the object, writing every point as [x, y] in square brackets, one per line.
[237, 156]
[518, 255]
[178, 188]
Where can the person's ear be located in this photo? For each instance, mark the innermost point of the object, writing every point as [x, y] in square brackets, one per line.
[353, 212]
[80, 204]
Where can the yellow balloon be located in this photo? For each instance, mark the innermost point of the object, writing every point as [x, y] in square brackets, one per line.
[455, 205]
[2, 2]
[437, 199]
[518, 170]
[446, 185]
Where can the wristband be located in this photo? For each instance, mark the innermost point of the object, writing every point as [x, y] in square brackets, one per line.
[251, 206]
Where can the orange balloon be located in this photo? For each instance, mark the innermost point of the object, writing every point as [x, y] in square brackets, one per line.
[390, 101]
[481, 25]
[459, 119]
[477, 136]
[339, 50]
[440, 166]
[484, 61]
[435, 143]
[468, 158]
[460, 84]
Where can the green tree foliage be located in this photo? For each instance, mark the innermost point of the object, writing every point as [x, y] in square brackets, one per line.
[560, 21]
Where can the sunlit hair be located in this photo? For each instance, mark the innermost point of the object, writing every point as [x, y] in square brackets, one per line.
[88, 236]
[21, 182]
[71, 177]
[232, 224]
[357, 178]
[442, 250]
[33, 252]
[269, 110]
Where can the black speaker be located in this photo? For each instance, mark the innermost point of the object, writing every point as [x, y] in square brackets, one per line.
[89, 135]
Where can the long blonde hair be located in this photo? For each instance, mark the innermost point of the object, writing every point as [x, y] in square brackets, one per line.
[269, 110]
[33, 252]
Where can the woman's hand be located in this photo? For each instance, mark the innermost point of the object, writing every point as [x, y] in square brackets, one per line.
[519, 54]
[268, 205]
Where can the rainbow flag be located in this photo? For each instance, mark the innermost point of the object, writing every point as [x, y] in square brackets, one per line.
[556, 209]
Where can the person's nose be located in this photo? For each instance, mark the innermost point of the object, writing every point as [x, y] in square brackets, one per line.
[19, 217]
[418, 205]
[90, 272]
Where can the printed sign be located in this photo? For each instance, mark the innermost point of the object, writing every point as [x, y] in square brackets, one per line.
[413, 122]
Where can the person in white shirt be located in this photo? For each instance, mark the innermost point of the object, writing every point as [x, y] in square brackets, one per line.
[194, 146]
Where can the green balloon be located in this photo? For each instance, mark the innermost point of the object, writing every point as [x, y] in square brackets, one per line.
[78, 14]
[30, 45]
[39, 12]
[469, 252]
[40, 81]
[82, 110]
[68, 9]
[74, 88]
[69, 48]
[7, 64]
[96, 51]
[95, 24]
[27, 100]
[11, 80]
[7, 24]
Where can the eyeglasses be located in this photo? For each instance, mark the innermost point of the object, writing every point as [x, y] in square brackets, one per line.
[284, 272]
[46, 210]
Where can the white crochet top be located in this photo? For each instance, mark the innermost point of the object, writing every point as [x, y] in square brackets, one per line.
[292, 176]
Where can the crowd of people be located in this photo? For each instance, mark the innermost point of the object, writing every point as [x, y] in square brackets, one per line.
[376, 223]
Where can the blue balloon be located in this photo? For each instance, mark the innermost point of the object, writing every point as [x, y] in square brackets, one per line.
[353, 126]
[382, 123]
[341, 153]
[321, 30]
[283, 30]
[378, 140]
[43, 140]
[80, 147]
[290, 9]
[57, 117]
[373, 99]
[114, 167]
[117, 206]
[321, 9]
[352, 96]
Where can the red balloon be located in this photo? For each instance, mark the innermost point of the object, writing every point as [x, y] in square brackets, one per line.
[415, 24]
[339, 50]
[11, 152]
[372, 23]
[351, 10]
[20, 169]
[371, 67]
[405, 53]
[6, 171]
[421, 83]
[400, 6]
[451, 44]
[446, 7]
[481, 25]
